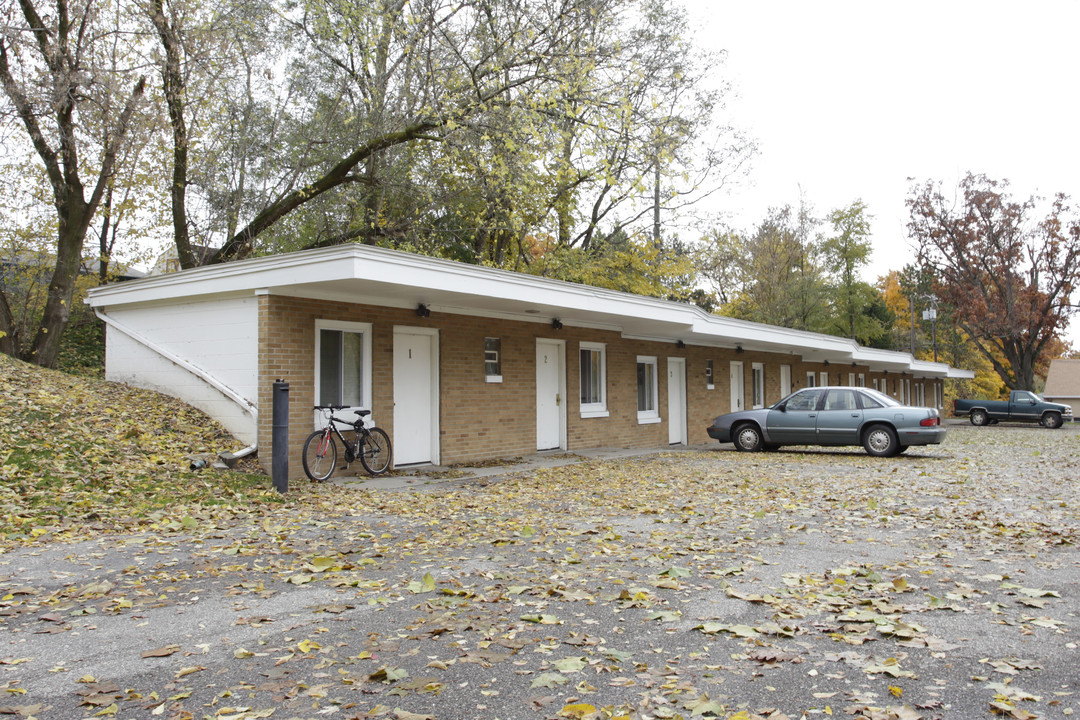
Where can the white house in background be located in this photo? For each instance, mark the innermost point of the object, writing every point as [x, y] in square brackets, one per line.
[1063, 383]
[460, 362]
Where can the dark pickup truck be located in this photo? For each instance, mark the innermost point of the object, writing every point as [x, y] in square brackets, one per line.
[1022, 405]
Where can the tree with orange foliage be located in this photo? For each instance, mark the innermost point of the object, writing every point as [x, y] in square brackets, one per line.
[1007, 273]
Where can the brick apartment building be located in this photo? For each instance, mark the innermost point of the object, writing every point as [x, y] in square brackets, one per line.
[461, 363]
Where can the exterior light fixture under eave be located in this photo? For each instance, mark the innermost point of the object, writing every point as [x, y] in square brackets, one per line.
[556, 324]
[423, 310]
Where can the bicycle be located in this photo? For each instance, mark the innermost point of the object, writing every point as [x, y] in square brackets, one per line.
[371, 446]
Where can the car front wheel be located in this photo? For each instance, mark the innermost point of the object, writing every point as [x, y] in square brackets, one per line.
[748, 438]
[881, 441]
[1051, 420]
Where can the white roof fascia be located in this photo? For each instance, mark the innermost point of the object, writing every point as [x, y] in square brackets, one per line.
[362, 262]
[304, 273]
[242, 275]
[435, 307]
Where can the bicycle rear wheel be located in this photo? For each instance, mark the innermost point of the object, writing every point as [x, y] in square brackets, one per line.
[320, 455]
[375, 451]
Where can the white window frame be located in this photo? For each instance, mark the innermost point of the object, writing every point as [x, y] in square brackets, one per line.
[646, 417]
[598, 409]
[709, 370]
[365, 331]
[851, 379]
[823, 378]
[811, 379]
[757, 385]
[862, 379]
[498, 360]
[785, 380]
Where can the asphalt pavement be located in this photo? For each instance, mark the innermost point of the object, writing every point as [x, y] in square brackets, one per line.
[686, 582]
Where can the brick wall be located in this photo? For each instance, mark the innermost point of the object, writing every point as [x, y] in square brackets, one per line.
[479, 419]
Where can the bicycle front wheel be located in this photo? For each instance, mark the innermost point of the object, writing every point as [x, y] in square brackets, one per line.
[320, 455]
[375, 451]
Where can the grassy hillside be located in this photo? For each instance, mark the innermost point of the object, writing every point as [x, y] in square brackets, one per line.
[80, 456]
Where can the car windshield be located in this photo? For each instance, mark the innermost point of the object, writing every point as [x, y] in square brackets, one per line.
[880, 397]
[805, 399]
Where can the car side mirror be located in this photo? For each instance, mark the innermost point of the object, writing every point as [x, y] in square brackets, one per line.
[782, 408]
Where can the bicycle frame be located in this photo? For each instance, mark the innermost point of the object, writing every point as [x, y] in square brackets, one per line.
[352, 449]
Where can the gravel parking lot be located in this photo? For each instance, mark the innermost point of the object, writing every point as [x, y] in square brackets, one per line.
[944, 583]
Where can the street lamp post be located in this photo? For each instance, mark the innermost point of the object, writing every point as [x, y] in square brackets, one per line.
[931, 315]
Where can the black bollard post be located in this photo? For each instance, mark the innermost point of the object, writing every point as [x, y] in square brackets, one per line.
[279, 463]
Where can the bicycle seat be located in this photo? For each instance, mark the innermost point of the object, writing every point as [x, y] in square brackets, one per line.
[363, 413]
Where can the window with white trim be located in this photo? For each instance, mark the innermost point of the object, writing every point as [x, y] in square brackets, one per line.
[862, 379]
[593, 371]
[343, 363]
[785, 380]
[757, 371]
[493, 359]
[811, 378]
[823, 378]
[709, 375]
[647, 397]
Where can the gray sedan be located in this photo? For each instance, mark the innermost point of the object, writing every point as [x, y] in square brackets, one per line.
[832, 416]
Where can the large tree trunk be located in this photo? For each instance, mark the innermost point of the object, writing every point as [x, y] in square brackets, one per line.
[9, 337]
[74, 222]
[172, 81]
[70, 78]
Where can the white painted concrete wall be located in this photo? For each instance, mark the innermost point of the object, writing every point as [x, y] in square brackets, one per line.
[221, 337]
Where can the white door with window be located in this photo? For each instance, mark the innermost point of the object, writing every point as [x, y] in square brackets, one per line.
[676, 403]
[416, 414]
[550, 391]
[785, 380]
[738, 390]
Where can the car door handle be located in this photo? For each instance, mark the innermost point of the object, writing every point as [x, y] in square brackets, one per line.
[854, 414]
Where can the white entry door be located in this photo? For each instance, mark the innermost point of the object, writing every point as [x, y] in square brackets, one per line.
[785, 380]
[416, 417]
[550, 392]
[676, 400]
[738, 388]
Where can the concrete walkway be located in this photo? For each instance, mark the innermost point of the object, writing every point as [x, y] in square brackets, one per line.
[442, 475]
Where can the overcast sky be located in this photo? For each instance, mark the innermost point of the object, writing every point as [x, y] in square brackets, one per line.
[849, 99]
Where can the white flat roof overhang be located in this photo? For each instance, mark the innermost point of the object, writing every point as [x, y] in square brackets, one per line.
[370, 275]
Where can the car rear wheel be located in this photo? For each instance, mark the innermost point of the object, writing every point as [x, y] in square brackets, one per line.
[748, 438]
[1052, 420]
[881, 441]
[978, 417]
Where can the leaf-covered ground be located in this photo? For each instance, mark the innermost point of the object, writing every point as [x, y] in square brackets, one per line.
[79, 456]
[702, 584]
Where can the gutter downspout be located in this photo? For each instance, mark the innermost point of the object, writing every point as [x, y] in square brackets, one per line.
[245, 404]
